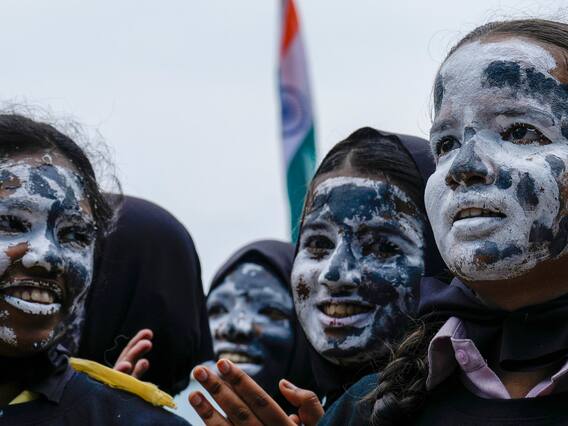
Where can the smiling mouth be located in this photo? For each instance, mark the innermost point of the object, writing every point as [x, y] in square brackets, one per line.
[33, 296]
[473, 212]
[343, 310]
[239, 357]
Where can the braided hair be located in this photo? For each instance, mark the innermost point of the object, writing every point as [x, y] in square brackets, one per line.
[401, 391]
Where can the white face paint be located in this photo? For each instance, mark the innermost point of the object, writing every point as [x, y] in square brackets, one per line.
[250, 315]
[496, 202]
[356, 274]
[46, 252]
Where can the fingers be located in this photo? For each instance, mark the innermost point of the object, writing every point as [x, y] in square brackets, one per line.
[237, 411]
[136, 348]
[295, 419]
[309, 406]
[259, 402]
[130, 361]
[123, 366]
[144, 334]
[140, 368]
[208, 414]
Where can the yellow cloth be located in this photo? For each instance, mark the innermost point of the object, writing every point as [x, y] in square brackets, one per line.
[24, 396]
[115, 379]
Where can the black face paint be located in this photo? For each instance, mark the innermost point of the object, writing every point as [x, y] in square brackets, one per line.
[526, 192]
[438, 92]
[249, 316]
[358, 267]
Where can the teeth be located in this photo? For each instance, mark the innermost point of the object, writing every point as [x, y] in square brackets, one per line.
[237, 358]
[342, 310]
[475, 212]
[34, 295]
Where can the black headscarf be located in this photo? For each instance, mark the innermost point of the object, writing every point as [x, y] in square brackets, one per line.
[150, 277]
[528, 338]
[333, 380]
[278, 257]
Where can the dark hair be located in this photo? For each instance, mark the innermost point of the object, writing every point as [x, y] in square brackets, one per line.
[402, 382]
[370, 153]
[22, 134]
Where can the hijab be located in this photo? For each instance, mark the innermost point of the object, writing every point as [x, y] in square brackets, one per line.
[149, 277]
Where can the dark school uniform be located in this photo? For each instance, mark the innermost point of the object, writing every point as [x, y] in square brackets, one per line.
[69, 398]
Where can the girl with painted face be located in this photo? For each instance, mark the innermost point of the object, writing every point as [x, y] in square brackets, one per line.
[252, 318]
[53, 219]
[493, 348]
[364, 245]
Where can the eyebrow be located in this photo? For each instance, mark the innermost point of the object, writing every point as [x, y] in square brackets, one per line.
[442, 125]
[385, 229]
[519, 111]
[316, 226]
[19, 204]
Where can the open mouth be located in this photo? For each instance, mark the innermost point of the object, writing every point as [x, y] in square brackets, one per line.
[240, 357]
[344, 309]
[476, 212]
[33, 296]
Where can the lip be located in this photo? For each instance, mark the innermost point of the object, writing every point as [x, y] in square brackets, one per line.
[33, 296]
[475, 227]
[340, 321]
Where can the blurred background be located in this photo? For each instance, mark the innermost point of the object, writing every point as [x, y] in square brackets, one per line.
[185, 92]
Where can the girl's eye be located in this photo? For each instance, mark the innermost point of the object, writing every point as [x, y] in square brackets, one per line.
[446, 144]
[382, 249]
[216, 310]
[524, 134]
[274, 314]
[13, 225]
[75, 236]
[319, 245]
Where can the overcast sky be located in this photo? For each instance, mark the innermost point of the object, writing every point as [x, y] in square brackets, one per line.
[184, 91]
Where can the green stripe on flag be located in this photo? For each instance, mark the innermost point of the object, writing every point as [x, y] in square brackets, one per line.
[298, 176]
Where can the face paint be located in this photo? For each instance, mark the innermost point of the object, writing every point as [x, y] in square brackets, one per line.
[356, 274]
[498, 197]
[46, 252]
[249, 316]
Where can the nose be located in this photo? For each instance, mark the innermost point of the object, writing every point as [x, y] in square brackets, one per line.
[43, 253]
[470, 167]
[238, 327]
[341, 273]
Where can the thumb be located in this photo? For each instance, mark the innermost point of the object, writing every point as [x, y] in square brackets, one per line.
[309, 407]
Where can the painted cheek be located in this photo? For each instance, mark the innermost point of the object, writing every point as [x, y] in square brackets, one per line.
[376, 289]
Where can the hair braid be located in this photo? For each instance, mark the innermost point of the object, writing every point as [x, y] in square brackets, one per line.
[402, 382]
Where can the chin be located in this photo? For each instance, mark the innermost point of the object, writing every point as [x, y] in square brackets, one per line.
[483, 264]
[350, 356]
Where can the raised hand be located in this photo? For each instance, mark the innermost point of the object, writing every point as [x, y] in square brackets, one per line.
[130, 360]
[246, 403]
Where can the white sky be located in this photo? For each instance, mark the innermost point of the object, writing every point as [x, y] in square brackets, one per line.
[184, 92]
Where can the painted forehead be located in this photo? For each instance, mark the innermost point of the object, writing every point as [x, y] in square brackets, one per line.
[344, 199]
[252, 279]
[40, 185]
[510, 64]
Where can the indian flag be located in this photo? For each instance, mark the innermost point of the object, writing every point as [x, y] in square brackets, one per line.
[298, 134]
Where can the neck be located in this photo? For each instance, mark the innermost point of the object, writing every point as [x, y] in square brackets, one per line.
[8, 391]
[546, 281]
